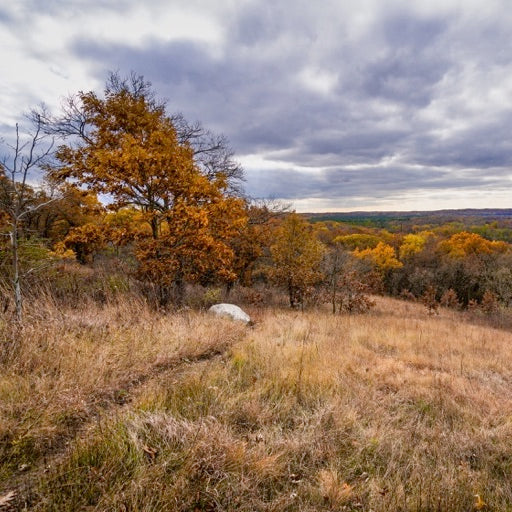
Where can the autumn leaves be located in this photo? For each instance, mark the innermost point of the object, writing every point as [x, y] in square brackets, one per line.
[164, 197]
[129, 150]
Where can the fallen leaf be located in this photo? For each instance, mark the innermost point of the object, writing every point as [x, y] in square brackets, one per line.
[150, 452]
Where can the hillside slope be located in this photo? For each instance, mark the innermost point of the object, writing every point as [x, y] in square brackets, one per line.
[394, 410]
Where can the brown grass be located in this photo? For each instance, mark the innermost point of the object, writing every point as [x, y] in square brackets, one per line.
[63, 367]
[393, 410]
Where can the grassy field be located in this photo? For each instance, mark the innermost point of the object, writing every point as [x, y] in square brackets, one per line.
[121, 408]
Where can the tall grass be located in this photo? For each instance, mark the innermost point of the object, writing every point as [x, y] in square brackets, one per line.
[393, 410]
[62, 366]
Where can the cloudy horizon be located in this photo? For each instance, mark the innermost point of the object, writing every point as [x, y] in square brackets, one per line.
[338, 106]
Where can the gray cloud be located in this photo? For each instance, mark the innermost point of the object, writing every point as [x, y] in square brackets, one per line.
[392, 182]
[339, 102]
[5, 16]
[412, 64]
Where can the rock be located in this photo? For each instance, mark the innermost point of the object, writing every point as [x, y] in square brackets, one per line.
[231, 311]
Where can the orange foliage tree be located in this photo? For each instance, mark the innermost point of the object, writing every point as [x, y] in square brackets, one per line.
[297, 255]
[129, 149]
[74, 208]
[254, 237]
[125, 226]
[84, 241]
[464, 245]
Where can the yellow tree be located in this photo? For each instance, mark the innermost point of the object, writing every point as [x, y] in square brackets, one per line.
[470, 263]
[383, 256]
[129, 149]
[359, 241]
[465, 245]
[413, 243]
[297, 255]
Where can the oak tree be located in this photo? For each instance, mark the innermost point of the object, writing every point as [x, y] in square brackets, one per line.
[126, 147]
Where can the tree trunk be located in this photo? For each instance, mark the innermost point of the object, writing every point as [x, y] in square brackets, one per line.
[179, 286]
[154, 227]
[291, 295]
[18, 299]
[333, 298]
[229, 287]
[164, 295]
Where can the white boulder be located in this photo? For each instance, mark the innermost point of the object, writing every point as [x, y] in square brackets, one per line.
[231, 311]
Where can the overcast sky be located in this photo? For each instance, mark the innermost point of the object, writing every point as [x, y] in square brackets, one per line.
[331, 105]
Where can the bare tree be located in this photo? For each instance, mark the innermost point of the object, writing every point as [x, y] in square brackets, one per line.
[25, 159]
[261, 211]
[334, 265]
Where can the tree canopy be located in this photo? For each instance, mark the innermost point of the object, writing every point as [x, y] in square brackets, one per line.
[125, 146]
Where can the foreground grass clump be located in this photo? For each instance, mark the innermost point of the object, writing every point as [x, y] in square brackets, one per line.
[388, 411]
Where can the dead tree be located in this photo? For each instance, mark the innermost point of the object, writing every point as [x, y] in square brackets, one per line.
[25, 159]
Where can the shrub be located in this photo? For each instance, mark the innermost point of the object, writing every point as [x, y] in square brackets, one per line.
[430, 301]
[350, 294]
[406, 294]
[490, 303]
[449, 299]
[211, 296]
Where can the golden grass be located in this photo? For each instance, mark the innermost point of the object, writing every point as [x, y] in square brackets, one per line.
[393, 410]
[63, 367]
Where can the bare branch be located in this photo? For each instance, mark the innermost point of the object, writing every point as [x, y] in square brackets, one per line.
[39, 206]
[262, 210]
[17, 198]
[211, 151]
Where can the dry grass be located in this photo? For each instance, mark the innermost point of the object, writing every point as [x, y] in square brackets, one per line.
[394, 410]
[63, 367]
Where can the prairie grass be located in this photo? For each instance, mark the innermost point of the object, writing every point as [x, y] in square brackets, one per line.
[62, 367]
[392, 410]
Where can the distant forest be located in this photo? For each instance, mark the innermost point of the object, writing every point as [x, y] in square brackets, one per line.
[467, 218]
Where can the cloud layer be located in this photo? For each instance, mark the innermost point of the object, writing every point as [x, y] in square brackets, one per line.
[349, 105]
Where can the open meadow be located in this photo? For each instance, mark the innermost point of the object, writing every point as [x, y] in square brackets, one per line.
[122, 408]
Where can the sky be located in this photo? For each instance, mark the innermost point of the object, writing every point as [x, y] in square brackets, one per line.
[334, 105]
